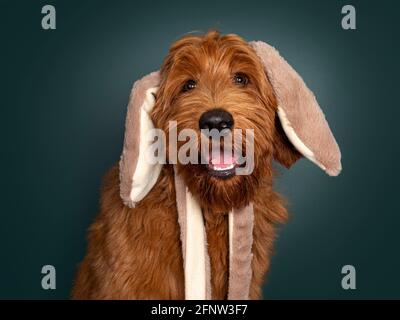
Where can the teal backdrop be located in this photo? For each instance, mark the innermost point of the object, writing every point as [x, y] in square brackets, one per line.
[63, 101]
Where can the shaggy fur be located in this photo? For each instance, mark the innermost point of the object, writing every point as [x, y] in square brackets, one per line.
[135, 253]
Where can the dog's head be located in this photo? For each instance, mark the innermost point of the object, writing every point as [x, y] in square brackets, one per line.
[246, 93]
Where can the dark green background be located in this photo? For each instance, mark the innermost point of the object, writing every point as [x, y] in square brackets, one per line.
[63, 102]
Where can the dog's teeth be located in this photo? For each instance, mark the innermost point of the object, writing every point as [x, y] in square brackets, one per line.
[216, 168]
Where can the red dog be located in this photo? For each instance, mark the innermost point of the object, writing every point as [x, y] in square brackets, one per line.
[135, 244]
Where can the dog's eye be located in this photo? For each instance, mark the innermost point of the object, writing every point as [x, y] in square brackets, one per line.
[189, 85]
[240, 79]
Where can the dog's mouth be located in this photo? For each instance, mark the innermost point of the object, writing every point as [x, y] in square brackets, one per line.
[221, 165]
[222, 161]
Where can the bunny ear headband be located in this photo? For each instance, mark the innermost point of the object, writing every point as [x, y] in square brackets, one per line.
[303, 123]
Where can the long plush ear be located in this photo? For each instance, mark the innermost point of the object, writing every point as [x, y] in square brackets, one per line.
[137, 174]
[301, 117]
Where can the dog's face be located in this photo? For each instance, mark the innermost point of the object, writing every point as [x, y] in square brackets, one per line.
[218, 82]
[223, 84]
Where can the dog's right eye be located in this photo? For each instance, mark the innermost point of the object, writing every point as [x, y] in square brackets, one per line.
[189, 85]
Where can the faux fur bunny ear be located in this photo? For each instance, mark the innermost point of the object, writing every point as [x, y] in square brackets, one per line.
[300, 115]
[137, 174]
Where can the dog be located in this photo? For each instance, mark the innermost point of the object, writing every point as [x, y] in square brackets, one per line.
[206, 81]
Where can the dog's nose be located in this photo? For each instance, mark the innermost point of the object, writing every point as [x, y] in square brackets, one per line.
[216, 119]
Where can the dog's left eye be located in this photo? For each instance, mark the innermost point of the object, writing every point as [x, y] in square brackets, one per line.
[240, 79]
[189, 85]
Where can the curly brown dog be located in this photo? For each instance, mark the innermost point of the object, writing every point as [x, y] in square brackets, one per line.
[136, 253]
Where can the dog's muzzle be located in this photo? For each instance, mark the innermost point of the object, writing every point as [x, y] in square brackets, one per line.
[223, 164]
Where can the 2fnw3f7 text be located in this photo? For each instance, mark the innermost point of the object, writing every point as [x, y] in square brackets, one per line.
[201, 309]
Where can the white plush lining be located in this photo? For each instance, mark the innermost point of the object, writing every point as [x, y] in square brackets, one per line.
[146, 174]
[230, 234]
[295, 140]
[195, 261]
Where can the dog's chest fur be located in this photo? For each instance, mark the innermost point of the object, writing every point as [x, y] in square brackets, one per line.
[137, 254]
[216, 225]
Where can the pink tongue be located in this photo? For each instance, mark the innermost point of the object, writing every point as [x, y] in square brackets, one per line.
[222, 162]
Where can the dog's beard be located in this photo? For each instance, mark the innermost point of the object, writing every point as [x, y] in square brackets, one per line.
[217, 179]
[214, 181]
[218, 194]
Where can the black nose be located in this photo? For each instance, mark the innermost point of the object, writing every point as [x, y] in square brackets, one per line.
[216, 119]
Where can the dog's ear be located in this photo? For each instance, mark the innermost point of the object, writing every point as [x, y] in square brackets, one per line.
[300, 116]
[137, 174]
